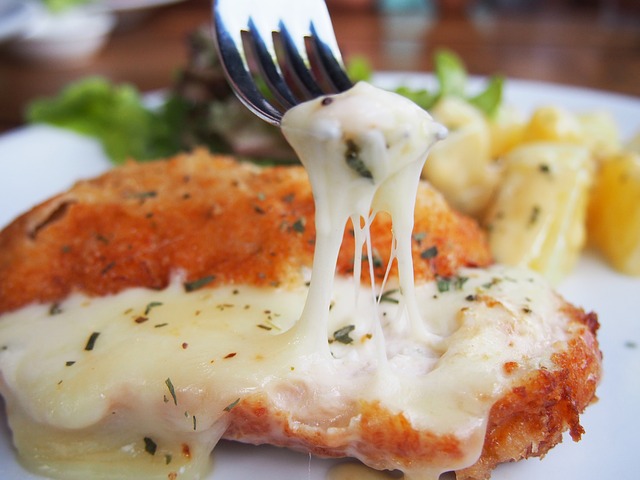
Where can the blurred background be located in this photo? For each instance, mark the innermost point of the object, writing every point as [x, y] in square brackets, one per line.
[46, 45]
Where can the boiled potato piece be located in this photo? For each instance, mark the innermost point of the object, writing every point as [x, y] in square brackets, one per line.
[551, 123]
[460, 166]
[506, 130]
[600, 133]
[614, 212]
[537, 217]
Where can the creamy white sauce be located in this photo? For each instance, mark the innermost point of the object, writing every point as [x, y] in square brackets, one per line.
[120, 384]
[214, 348]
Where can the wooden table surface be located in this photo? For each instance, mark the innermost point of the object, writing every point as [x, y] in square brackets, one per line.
[589, 44]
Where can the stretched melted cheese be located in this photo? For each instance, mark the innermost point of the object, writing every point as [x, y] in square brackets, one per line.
[141, 384]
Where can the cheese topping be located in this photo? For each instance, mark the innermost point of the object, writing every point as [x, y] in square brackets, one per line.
[142, 384]
[101, 375]
[364, 150]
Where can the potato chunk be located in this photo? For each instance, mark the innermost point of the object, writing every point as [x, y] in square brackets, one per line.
[614, 212]
[537, 217]
[461, 166]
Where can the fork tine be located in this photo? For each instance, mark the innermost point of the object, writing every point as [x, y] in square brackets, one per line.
[289, 44]
[242, 82]
[299, 69]
[268, 69]
[329, 60]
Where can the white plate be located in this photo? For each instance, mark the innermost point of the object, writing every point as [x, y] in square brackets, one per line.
[15, 15]
[36, 162]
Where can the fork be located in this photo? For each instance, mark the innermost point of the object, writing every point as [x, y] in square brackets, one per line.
[278, 53]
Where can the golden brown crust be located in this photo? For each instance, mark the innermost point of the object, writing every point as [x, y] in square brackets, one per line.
[526, 422]
[139, 224]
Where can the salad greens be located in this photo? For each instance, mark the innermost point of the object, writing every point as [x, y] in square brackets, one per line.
[61, 5]
[452, 78]
[114, 114]
[201, 110]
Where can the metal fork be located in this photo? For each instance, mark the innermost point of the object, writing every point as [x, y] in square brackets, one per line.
[278, 53]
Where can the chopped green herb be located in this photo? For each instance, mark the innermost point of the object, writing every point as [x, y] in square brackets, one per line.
[299, 225]
[160, 325]
[232, 405]
[151, 305]
[150, 446]
[386, 296]
[535, 214]
[194, 423]
[198, 284]
[352, 157]
[445, 284]
[494, 281]
[167, 458]
[143, 195]
[70, 362]
[419, 237]
[342, 335]
[55, 309]
[172, 390]
[431, 252]
[375, 258]
[108, 267]
[91, 342]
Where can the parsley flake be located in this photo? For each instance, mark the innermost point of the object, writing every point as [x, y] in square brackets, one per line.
[91, 342]
[232, 405]
[342, 335]
[55, 309]
[198, 284]
[299, 225]
[151, 305]
[150, 446]
[355, 162]
[429, 253]
[172, 390]
[386, 296]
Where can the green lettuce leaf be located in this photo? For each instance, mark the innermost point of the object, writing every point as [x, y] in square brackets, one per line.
[114, 114]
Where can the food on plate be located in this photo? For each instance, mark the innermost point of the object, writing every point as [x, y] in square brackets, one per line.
[529, 180]
[160, 307]
[614, 216]
[537, 217]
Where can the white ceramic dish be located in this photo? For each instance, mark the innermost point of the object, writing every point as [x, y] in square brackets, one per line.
[15, 15]
[73, 36]
[36, 162]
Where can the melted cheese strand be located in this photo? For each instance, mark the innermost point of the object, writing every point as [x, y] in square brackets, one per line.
[364, 150]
